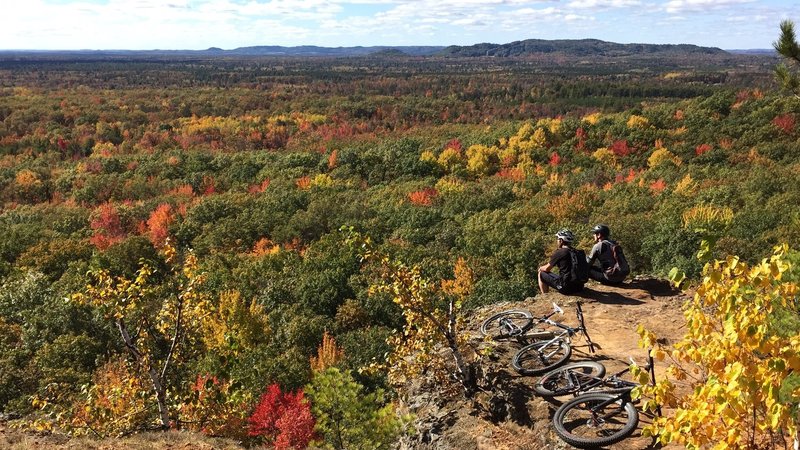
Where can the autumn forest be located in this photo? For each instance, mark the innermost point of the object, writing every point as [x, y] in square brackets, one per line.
[221, 244]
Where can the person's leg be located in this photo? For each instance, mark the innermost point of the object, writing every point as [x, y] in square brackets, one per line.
[548, 280]
[596, 274]
[543, 288]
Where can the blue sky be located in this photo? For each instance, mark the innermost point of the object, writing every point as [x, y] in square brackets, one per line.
[199, 24]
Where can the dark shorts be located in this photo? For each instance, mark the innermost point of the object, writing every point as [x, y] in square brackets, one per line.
[554, 281]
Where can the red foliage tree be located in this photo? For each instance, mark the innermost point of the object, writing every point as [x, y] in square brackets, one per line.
[284, 419]
[785, 123]
[424, 197]
[702, 148]
[621, 148]
[158, 224]
[658, 186]
[455, 144]
[106, 226]
[555, 159]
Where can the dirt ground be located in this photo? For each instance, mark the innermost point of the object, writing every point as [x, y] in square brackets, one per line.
[510, 416]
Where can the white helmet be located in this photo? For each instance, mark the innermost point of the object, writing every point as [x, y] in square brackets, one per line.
[566, 236]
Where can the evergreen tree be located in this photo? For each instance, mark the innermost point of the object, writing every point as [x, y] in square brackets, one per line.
[787, 46]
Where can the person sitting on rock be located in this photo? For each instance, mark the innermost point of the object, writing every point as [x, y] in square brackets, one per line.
[612, 267]
[563, 259]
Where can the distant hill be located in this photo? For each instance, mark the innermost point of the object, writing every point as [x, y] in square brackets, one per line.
[529, 47]
[312, 50]
[579, 47]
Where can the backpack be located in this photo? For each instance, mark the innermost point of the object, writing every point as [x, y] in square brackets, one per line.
[620, 267]
[579, 269]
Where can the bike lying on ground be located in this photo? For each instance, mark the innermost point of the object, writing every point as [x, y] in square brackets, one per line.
[547, 352]
[513, 323]
[603, 411]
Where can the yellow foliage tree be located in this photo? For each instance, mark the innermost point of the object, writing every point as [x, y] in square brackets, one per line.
[147, 315]
[482, 160]
[432, 314]
[235, 325]
[450, 159]
[662, 156]
[635, 121]
[738, 361]
[605, 156]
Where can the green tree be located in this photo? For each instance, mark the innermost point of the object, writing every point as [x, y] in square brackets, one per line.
[788, 48]
[347, 418]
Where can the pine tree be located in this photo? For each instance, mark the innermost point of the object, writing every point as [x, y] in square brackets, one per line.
[787, 46]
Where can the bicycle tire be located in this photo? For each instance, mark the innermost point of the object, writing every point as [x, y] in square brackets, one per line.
[558, 382]
[576, 425]
[493, 327]
[541, 357]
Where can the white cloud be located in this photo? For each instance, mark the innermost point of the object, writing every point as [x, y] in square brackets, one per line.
[147, 24]
[679, 6]
[595, 4]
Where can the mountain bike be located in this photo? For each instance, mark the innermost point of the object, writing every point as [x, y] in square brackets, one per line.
[594, 418]
[514, 323]
[551, 352]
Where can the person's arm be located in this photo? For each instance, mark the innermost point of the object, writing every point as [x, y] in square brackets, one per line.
[596, 249]
[552, 263]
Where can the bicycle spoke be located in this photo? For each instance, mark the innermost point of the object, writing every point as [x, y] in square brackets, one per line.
[590, 420]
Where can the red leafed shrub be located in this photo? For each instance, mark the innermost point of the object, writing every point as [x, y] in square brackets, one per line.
[785, 123]
[424, 197]
[209, 185]
[106, 226]
[296, 427]
[332, 159]
[258, 187]
[284, 419]
[621, 148]
[658, 185]
[303, 182]
[158, 224]
[702, 148]
[555, 159]
[455, 144]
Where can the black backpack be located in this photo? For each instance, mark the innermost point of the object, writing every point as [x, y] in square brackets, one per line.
[620, 267]
[579, 269]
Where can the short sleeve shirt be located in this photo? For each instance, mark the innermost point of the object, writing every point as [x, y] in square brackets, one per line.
[602, 252]
[562, 259]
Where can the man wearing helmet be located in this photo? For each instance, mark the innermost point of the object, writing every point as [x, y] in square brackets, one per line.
[613, 268]
[562, 259]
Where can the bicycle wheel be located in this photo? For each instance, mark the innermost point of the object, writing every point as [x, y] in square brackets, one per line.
[587, 421]
[569, 379]
[507, 324]
[539, 357]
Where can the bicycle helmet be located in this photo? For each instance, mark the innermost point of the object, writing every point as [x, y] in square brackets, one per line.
[602, 230]
[566, 236]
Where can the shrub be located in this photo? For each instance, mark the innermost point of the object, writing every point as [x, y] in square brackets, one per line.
[282, 419]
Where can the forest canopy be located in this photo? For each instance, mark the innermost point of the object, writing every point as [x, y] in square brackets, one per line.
[197, 205]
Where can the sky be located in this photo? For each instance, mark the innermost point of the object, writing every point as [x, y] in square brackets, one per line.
[229, 24]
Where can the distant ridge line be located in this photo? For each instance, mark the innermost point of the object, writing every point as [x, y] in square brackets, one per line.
[528, 47]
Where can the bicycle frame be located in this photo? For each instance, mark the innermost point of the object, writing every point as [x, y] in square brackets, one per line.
[514, 330]
[568, 330]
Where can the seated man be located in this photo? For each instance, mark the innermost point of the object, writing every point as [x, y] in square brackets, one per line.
[613, 268]
[563, 259]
